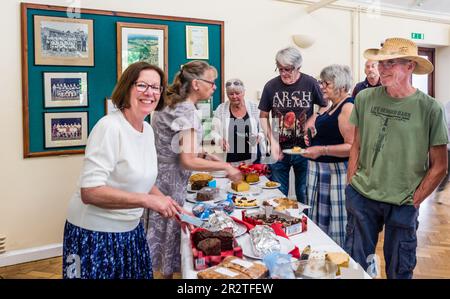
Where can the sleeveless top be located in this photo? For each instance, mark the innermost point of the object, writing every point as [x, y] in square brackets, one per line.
[327, 127]
[239, 138]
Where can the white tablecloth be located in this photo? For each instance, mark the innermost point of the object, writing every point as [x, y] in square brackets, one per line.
[314, 236]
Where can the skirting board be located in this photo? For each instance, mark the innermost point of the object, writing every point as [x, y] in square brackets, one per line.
[15, 257]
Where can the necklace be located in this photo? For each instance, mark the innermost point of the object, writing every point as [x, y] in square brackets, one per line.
[334, 105]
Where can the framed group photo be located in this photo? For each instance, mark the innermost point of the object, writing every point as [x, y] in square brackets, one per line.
[141, 42]
[63, 41]
[66, 129]
[65, 90]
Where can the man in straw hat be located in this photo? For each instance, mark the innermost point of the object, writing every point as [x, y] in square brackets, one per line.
[398, 157]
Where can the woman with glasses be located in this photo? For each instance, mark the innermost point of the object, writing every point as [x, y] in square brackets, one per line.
[179, 130]
[328, 154]
[236, 128]
[103, 236]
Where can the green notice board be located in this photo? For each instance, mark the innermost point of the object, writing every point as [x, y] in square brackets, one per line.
[100, 77]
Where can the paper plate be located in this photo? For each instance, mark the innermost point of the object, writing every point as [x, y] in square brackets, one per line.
[218, 174]
[247, 248]
[290, 152]
[252, 192]
[273, 187]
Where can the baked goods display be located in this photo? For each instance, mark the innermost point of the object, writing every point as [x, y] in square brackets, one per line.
[224, 236]
[240, 187]
[207, 193]
[235, 268]
[244, 202]
[251, 178]
[284, 203]
[271, 184]
[341, 259]
[210, 246]
[197, 185]
[296, 149]
[201, 176]
[289, 224]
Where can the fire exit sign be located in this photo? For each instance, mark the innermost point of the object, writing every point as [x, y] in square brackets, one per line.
[415, 35]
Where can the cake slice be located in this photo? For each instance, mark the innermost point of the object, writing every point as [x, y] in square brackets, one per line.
[240, 187]
[341, 259]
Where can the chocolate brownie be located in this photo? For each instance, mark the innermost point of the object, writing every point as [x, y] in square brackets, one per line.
[210, 246]
[197, 185]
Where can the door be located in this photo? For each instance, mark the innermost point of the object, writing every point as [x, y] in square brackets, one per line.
[425, 82]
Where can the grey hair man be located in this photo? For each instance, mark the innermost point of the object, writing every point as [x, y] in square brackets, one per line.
[290, 97]
[372, 77]
[398, 157]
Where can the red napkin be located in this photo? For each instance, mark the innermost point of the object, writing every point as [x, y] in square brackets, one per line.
[277, 228]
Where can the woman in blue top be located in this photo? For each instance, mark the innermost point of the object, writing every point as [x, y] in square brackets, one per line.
[329, 152]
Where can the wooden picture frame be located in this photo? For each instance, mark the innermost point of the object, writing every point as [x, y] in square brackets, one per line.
[66, 129]
[65, 90]
[109, 106]
[63, 41]
[141, 42]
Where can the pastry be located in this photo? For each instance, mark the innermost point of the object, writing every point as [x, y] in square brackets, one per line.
[219, 272]
[225, 236]
[197, 185]
[201, 176]
[252, 269]
[296, 149]
[341, 259]
[210, 246]
[271, 184]
[285, 203]
[207, 193]
[240, 187]
[252, 178]
[244, 202]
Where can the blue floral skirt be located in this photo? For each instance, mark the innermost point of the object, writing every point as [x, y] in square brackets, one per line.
[100, 255]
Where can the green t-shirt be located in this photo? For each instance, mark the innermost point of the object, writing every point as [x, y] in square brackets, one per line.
[395, 138]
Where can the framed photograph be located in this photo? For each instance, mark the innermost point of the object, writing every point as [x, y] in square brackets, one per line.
[65, 89]
[197, 46]
[109, 106]
[141, 42]
[63, 41]
[66, 129]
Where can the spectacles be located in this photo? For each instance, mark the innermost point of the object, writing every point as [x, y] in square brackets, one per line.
[324, 83]
[207, 81]
[236, 83]
[388, 64]
[288, 70]
[142, 87]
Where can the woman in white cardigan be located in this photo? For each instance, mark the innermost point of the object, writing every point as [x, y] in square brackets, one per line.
[236, 128]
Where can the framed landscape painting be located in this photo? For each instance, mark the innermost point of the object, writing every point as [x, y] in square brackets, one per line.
[141, 42]
[65, 90]
[63, 41]
[65, 129]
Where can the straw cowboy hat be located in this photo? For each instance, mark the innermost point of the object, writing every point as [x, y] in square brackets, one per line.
[400, 48]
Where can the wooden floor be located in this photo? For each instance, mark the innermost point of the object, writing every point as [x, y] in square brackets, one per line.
[433, 252]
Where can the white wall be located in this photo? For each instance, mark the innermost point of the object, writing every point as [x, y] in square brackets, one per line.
[35, 192]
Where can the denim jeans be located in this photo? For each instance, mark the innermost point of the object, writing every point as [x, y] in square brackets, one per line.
[280, 173]
[366, 219]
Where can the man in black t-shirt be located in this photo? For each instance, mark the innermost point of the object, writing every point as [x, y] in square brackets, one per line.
[290, 97]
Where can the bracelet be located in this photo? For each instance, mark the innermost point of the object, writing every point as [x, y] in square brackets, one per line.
[326, 150]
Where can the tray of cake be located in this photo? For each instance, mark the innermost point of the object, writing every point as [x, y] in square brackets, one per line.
[268, 216]
[210, 248]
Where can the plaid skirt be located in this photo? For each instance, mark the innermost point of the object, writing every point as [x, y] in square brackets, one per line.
[325, 186]
[100, 255]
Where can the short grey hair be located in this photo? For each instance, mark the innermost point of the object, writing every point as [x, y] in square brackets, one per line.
[234, 84]
[289, 57]
[340, 75]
